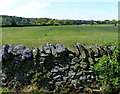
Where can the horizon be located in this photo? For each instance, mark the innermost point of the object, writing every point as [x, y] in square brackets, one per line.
[60, 19]
[62, 10]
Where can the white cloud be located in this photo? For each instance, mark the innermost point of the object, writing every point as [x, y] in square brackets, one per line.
[37, 5]
[32, 9]
[77, 0]
[23, 8]
[37, 8]
[5, 3]
[32, 6]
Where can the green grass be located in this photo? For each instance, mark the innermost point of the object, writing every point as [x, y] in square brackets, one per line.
[66, 35]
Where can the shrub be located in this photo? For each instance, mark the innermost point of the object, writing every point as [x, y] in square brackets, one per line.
[108, 70]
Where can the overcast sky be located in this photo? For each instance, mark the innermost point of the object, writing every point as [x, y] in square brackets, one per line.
[61, 9]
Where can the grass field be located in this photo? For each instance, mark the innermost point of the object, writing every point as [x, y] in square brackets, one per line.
[66, 35]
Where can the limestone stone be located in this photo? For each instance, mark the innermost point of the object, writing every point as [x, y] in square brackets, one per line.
[76, 59]
[65, 78]
[58, 83]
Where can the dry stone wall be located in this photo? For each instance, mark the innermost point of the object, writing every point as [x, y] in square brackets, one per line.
[52, 67]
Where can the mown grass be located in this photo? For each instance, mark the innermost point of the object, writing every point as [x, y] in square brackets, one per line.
[66, 35]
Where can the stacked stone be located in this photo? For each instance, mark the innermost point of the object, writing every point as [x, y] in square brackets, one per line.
[56, 67]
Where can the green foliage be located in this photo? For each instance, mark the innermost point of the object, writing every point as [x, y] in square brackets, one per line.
[5, 91]
[42, 21]
[15, 21]
[108, 69]
[21, 21]
[114, 21]
[107, 21]
[51, 22]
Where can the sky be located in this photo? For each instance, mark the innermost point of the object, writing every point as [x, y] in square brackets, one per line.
[61, 9]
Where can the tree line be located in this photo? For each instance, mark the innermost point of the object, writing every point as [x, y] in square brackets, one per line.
[6, 20]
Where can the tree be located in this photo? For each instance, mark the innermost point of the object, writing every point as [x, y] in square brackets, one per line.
[91, 22]
[114, 22]
[60, 22]
[51, 22]
[5, 21]
[24, 21]
[13, 21]
[107, 21]
[42, 21]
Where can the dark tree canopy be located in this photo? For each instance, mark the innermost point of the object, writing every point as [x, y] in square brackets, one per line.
[6, 20]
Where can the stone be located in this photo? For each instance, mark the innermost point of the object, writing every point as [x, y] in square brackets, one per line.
[71, 73]
[63, 82]
[43, 55]
[75, 51]
[56, 67]
[41, 48]
[72, 67]
[83, 77]
[79, 73]
[10, 48]
[88, 76]
[57, 77]
[35, 51]
[97, 59]
[48, 74]
[65, 78]
[90, 59]
[4, 52]
[76, 59]
[61, 69]
[77, 65]
[53, 50]
[1, 54]
[27, 53]
[54, 70]
[95, 50]
[72, 63]
[47, 50]
[92, 76]
[41, 62]
[58, 84]
[18, 49]
[89, 81]
[66, 67]
[84, 63]
[61, 48]
[84, 66]
[71, 55]
[74, 82]
[83, 53]
[42, 59]
[19, 58]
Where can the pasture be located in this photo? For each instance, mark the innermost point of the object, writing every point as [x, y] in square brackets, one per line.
[66, 35]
